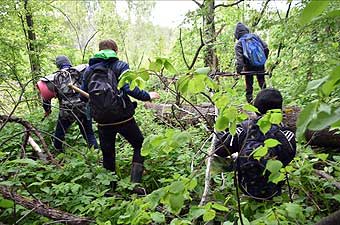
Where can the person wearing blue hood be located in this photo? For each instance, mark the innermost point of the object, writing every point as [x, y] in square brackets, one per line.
[71, 108]
[122, 123]
[243, 64]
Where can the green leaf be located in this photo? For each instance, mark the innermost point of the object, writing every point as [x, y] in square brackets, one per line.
[314, 84]
[270, 143]
[274, 166]
[176, 202]
[275, 118]
[183, 84]
[244, 219]
[336, 197]
[304, 119]
[209, 215]
[181, 137]
[322, 156]
[228, 223]
[158, 217]
[220, 207]
[203, 70]
[144, 75]
[192, 184]
[264, 124]
[293, 210]
[196, 212]
[323, 120]
[222, 123]
[169, 67]
[176, 187]
[334, 13]
[313, 9]
[276, 177]
[250, 108]
[30, 162]
[260, 152]
[4, 203]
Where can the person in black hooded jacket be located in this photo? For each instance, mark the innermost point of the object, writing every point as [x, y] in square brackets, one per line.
[125, 124]
[242, 63]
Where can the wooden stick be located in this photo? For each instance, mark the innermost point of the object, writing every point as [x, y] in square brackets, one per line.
[83, 93]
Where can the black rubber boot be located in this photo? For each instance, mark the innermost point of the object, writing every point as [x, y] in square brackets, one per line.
[136, 177]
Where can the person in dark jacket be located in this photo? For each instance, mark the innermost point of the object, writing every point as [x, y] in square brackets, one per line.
[127, 127]
[232, 146]
[242, 63]
[71, 108]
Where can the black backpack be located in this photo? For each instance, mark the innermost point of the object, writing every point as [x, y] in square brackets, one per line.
[250, 172]
[69, 100]
[108, 103]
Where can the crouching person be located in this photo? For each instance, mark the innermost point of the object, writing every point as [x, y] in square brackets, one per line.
[252, 178]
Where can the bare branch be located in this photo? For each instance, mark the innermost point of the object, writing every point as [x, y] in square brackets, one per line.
[88, 41]
[261, 14]
[199, 4]
[229, 5]
[182, 49]
[72, 25]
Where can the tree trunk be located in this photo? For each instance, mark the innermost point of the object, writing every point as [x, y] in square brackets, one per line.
[31, 45]
[189, 116]
[210, 57]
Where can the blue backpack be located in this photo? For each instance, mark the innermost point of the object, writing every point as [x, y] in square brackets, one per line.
[253, 50]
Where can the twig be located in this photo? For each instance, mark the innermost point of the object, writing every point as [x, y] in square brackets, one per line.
[88, 41]
[229, 5]
[182, 49]
[261, 14]
[328, 177]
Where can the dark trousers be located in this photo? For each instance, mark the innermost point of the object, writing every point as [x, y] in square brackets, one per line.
[85, 126]
[107, 138]
[249, 85]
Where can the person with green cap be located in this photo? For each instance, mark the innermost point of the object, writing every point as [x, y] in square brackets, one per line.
[113, 110]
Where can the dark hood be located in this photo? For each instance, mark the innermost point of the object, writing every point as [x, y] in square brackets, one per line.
[241, 30]
[62, 61]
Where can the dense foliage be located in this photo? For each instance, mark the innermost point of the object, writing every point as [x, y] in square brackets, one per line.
[304, 62]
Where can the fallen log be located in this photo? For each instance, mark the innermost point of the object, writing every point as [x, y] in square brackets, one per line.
[43, 153]
[38, 207]
[189, 115]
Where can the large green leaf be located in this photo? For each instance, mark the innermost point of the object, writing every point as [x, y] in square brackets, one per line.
[324, 120]
[222, 123]
[176, 187]
[169, 67]
[203, 70]
[313, 9]
[260, 152]
[314, 84]
[274, 166]
[158, 217]
[304, 119]
[196, 211]
[176, 202]
[270, 143]
[209, 215]
[4, 203]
